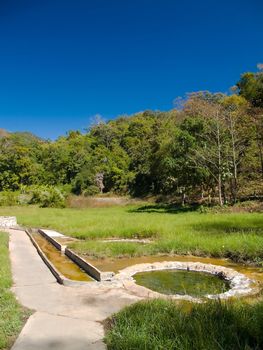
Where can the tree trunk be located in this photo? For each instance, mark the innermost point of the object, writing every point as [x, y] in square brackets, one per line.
[202, 193]
[183, 199]
[261, 157]
[220, 190]
[259, 139]
[234, 184]
[209, 199]
[219, 165]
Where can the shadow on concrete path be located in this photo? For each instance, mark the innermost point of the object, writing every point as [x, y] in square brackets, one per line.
[67, 318]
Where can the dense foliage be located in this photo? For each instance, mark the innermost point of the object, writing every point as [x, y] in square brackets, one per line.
[211, 148]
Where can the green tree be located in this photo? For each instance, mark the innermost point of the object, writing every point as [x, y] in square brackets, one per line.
[250, 86]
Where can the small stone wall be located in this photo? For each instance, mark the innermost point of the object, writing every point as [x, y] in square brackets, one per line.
[8, 221]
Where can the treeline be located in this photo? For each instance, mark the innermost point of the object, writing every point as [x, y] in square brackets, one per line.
[210, 149]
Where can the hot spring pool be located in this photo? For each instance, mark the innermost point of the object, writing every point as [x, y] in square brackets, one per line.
[182, 282]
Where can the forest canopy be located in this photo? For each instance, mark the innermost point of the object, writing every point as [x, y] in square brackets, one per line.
[210, 148]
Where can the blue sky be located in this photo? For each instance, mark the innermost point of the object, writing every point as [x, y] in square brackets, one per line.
[62, 61]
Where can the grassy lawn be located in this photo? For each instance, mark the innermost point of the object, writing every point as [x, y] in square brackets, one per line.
[160, 324]
[164, 325]
[12, 314]
[234, 235]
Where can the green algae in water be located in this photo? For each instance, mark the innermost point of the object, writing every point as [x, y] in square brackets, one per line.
[182, 282]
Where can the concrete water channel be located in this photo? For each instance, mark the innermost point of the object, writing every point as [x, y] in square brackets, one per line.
[62, 263]
[162, 275]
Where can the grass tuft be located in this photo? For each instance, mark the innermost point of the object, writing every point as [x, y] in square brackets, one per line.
[161, 324]
[12, 314]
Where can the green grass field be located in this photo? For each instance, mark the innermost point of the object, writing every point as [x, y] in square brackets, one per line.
[238, 236]
[12, 314]
[160, 324]
[164, 325]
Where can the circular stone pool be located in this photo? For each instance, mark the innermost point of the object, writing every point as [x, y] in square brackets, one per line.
[182, 282]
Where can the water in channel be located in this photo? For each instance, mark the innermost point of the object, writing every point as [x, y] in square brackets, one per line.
[63, 264]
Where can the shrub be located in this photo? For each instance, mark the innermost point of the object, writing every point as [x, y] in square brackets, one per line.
[48, 197]
[91, 191]
[24, 198]
[8, 198]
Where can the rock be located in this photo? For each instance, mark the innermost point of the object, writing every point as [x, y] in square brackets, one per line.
[8, 221]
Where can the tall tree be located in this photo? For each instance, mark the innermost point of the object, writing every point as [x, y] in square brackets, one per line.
[240, 128]
[211, 152]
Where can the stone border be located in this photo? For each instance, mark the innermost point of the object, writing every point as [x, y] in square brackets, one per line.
[240, 285]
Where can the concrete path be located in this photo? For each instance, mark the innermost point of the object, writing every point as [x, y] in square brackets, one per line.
[65, 318]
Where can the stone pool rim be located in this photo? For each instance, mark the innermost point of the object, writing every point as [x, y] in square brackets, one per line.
[239, 284]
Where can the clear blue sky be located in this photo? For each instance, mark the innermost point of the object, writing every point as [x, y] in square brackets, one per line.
[64, 61]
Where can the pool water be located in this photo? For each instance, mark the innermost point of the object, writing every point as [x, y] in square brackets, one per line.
[182, 282]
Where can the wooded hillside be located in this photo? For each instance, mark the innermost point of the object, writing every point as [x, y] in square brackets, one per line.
[210, 147]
